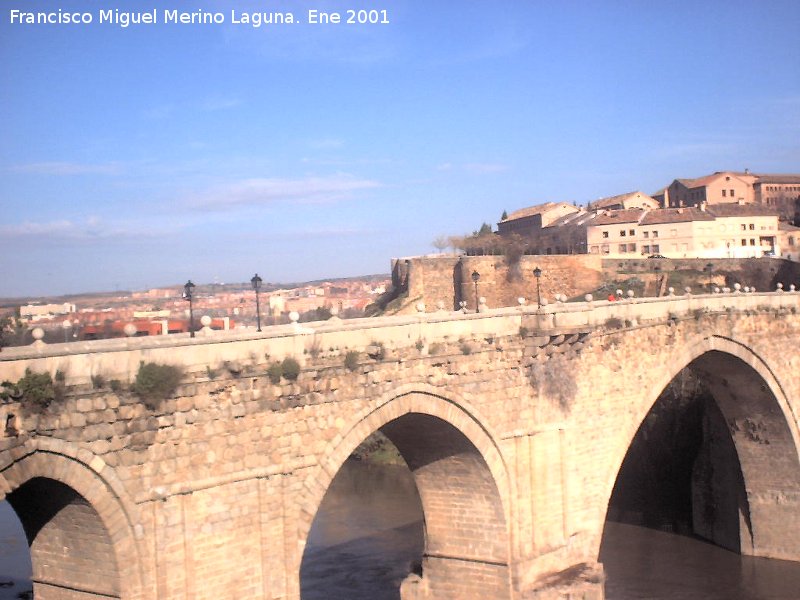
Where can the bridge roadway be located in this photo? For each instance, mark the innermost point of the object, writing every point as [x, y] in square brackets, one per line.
[514, 423]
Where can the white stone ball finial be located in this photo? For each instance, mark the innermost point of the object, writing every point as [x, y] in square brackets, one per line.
[129, 329]
[294, 316]
[38, 334]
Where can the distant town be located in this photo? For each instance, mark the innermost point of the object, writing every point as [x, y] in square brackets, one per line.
[165, 310]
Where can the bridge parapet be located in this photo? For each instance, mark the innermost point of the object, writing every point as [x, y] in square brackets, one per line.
[120, 358]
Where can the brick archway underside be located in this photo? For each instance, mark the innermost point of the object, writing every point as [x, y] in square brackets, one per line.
[758, 424]
[80, 539]
[466, 532]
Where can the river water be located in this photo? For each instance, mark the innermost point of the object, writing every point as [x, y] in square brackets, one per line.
[368, 535]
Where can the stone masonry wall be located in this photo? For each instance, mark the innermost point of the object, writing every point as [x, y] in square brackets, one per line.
[447, 279]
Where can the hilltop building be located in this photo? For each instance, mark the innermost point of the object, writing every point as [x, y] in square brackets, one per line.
[622, 201]
[734, 230]
[781, 192]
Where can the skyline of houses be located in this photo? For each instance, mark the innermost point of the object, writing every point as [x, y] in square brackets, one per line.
[723, 215]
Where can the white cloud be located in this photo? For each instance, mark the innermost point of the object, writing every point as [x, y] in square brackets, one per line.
[64, 168]
[326, 144]
[259, 191]
[476, 168]
[486, 167]
[92, 229]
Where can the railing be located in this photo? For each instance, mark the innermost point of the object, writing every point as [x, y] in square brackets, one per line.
[119, 358]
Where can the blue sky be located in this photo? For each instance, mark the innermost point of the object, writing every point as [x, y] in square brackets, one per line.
[143, 156]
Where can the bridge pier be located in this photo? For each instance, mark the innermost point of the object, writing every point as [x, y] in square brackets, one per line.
[451, 577]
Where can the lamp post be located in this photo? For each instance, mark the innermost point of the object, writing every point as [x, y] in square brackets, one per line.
[657, 271]
[256, 283]
[188, 289]
[708, 269]
[537, 272]
[475, 277]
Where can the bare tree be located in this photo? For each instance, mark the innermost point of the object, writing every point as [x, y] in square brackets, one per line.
[440, 242]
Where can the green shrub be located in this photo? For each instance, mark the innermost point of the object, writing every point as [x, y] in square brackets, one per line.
[155, 382]
[275, 372]
[38, 390]
[290, 368]
[614, 323]
[420, 344]
[115, 385]
[466, 348]
[98, 381]
[9, 391]
[351, 360]
[211, 373]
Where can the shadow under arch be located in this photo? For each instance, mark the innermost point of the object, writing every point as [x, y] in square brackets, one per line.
[78, 528]
[462, 484]
[748, 456]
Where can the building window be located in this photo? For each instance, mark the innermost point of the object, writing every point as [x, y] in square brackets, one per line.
[744, 227]
[731, 193]
[631, 247]
[656, 248]
[655, 234]
[632, 232]
[605, 249]
[646, 249]
[752, 242]
[723, 193]
[605, 234]
[646, 234]
[623, 248]
[744, 242]
[622, 233]
[791, 240]
[752, 226]
[593, 249]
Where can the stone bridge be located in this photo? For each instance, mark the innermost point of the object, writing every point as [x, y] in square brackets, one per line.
[513, 422]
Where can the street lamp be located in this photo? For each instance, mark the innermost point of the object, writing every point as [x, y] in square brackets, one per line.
[537, 272]
[256, 283]
[475, 277]
[708, 269]
[188, 288]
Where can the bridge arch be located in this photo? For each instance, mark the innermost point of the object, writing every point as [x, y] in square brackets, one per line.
[78, 525]
[756, 420]
[462, 483]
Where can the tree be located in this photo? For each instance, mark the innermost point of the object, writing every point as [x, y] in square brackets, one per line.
[440, 242]
[504, 216]
[12, 331]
